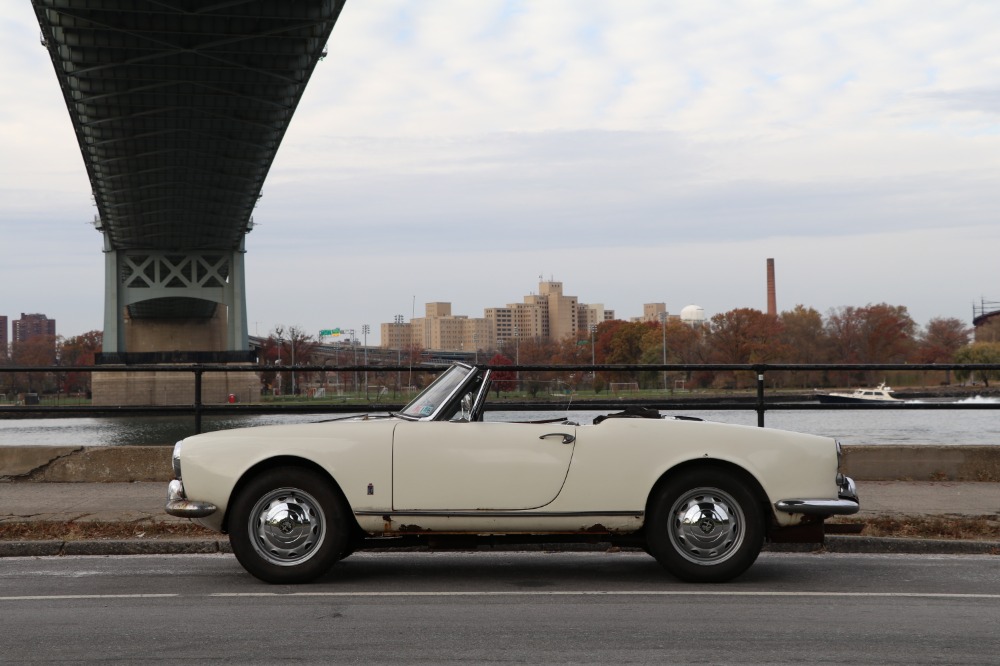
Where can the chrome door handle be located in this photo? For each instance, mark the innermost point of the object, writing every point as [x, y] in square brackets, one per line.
[566, 437]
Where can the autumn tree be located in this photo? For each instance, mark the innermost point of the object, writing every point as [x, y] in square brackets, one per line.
[888, 333]
[627, 341]
[745, 335]
[38, 351]
[940, 339]
[502, 380]
[655, 350]
[79, 350]
[603, 338]
[804, 340]
[535, 351]
[287, 346]
[878, 333]
[843, 332]
[685, 344]
[575, 351]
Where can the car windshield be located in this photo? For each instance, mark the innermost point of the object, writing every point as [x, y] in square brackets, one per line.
[428, 401]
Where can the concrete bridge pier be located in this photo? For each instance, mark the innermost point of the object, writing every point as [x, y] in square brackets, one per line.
[173, 308]
[146, 289]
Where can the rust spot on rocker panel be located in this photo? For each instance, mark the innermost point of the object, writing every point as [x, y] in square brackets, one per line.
[410, 529]
[595, 529]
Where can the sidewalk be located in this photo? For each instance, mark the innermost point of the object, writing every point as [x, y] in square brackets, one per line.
[140, 502]
[130, 502]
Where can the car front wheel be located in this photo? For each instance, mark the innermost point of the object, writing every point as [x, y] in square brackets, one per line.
[288, 525]
[705, 526]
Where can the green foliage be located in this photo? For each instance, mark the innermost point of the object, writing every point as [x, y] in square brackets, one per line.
[979, 352]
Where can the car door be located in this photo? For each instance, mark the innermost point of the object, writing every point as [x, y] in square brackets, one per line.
[479, 466]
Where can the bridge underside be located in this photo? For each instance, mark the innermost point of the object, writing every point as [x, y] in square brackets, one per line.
[179, 107]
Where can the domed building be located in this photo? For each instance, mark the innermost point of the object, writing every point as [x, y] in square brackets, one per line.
[693, 315]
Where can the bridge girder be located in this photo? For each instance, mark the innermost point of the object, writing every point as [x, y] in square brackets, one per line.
[179, 107]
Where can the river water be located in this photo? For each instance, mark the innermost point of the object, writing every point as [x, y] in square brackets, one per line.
[933, 427]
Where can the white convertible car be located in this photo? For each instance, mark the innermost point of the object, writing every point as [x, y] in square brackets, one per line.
[700, 497]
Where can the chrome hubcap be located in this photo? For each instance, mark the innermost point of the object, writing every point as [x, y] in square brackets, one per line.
[706, 526]
[287, 525]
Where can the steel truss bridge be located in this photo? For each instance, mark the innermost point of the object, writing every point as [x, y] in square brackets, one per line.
[179, 107]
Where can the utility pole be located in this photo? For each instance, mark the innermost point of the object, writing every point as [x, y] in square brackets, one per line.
[593, 350]
[663, 325]
[365, 330]
[398, 320]
[354, 344]
[517, 356]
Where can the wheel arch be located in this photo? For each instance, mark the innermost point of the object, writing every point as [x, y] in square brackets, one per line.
[287, 461]
[741, 472]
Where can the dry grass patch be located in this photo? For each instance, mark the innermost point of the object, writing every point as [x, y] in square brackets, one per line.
[972, 528]
[42, 530]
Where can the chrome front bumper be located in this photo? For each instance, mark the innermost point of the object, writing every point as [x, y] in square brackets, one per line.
[846, 503]
[179, 505]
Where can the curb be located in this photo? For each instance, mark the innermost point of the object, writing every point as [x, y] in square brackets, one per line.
[833, 544]
[112, 547]
[845, 544]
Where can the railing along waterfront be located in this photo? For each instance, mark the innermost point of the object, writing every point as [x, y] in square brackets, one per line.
[757, 400]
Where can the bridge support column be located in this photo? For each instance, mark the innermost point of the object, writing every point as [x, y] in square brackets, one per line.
[114, 331]
[133, 277]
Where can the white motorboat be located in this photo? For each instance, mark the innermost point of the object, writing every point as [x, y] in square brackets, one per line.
[880, 393]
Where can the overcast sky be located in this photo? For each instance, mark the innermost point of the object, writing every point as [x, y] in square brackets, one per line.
[637, 151]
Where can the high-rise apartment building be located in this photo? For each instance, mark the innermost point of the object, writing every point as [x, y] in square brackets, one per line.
[592, 314]
[562, 310]
[30, 326]
[440, 329]
[3, 336]
[653, 311]
[547, 315]
[396, 335]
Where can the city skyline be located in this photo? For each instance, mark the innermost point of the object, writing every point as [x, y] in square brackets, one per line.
[638, 151]
[377, 332]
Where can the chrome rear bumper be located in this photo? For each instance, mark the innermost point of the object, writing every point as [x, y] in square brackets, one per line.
[846, 503]
[179, 505]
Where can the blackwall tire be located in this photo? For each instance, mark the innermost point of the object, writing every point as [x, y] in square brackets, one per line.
[705, 526]
[288, 525]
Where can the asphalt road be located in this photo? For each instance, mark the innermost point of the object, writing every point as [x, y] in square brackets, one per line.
[501, 608]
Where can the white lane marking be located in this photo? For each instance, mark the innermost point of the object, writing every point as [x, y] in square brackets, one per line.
[70, 597]
[608, 593]
[512, 593]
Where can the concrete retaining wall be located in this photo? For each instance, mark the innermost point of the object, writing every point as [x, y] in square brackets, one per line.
[85, 464]
[922, 463]
[140, 388]
[101, 464]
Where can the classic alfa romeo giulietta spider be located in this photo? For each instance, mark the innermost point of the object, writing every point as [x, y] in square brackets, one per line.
[700, 497]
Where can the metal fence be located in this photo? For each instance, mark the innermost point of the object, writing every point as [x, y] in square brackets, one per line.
[758, 398]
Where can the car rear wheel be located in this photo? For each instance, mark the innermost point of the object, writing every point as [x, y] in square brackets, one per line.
[705, 526]
[288, 525]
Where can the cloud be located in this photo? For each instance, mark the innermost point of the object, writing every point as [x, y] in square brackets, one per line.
[639, 151]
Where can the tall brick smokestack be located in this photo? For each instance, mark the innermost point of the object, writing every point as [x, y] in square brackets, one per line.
[772, 302]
